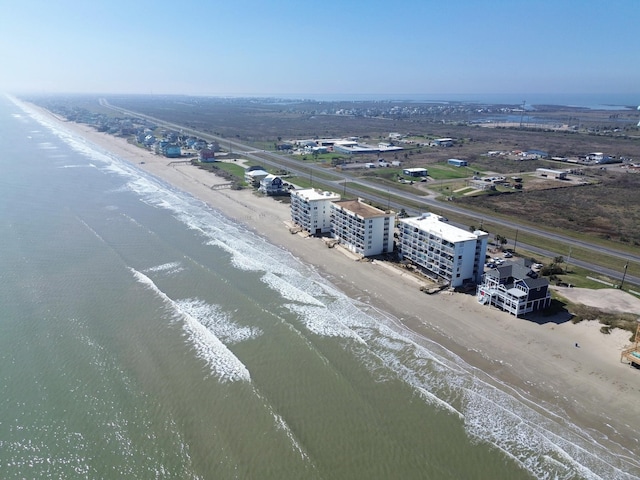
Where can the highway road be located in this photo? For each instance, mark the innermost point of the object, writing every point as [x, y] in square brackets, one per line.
[387, 196]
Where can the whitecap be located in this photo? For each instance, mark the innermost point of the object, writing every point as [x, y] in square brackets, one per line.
[438, 402]
[221, 361]
[168, 268]
[218, 322]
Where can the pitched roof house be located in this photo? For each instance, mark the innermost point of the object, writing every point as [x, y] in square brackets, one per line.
[272, 185]
[515, 288]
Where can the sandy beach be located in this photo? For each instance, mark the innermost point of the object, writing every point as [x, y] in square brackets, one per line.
[538, 358]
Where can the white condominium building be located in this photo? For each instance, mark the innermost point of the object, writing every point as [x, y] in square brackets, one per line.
[311, 210]
[361, 228]
[443, 251]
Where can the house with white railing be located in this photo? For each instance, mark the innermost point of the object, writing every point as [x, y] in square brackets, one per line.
[514, 288]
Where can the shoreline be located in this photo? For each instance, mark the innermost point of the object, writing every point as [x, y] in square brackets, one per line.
[536, 358]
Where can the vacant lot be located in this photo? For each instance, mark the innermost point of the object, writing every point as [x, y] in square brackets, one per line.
[609, 209]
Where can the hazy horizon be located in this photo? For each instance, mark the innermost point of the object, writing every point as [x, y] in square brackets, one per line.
[252, 48]
[530, 101]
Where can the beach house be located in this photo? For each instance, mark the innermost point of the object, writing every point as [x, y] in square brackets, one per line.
[272, 185]
[514, 288]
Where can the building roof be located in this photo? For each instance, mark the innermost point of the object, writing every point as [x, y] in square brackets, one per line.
[516, 292]
[311, 194]
[523, 262]
[509, 270]
[435, 224]
[357, 207]
[357, 148]
[256, 173]
[512, 272]
[535, 282]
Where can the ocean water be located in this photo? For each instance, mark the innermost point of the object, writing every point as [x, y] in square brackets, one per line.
[145, 335]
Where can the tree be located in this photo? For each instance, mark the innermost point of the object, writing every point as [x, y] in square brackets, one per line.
[500, 240]
[557, 263]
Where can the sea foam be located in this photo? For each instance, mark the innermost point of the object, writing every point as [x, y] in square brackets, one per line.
[217, 322]
[169, 268]
[222, 362]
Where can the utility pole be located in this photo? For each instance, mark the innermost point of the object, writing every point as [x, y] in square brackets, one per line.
[515, 241]
[624, 274]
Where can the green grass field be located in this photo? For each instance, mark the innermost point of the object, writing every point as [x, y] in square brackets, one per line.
[443, 171]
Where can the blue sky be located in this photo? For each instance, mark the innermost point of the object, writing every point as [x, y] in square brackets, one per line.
[329, 47]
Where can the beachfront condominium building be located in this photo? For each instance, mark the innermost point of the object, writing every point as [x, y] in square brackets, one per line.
[443, 251]
[311, 210]
[361, 228]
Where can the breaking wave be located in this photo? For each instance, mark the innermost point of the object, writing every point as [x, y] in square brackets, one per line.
[217, 322]
[222, 362]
